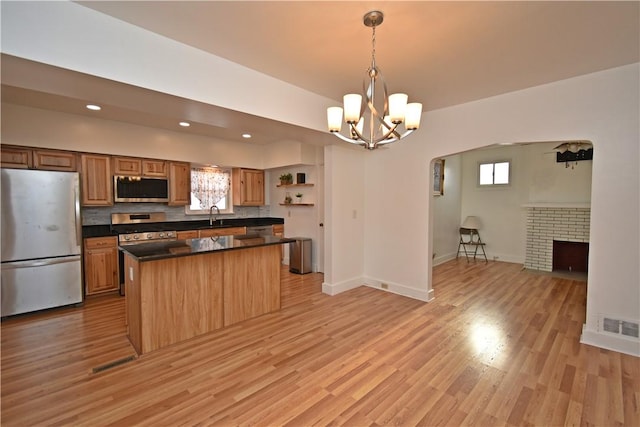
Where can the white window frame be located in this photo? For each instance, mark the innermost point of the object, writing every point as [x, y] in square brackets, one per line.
[493, 163]
[228, 200]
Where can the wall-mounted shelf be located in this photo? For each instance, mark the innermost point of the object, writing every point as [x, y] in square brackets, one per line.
[294, 185]
[296, 204]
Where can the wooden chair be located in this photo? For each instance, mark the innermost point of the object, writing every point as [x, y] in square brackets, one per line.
[470, 237]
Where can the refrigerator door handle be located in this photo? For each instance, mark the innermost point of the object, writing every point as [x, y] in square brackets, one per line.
[38, 262]
[77, 213]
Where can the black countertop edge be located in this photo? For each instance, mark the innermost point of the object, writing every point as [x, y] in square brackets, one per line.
[103, 230]
[182, 248]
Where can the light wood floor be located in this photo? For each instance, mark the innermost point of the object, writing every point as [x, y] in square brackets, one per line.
[498, 346]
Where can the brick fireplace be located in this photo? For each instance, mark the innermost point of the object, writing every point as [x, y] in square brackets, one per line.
[546, 223]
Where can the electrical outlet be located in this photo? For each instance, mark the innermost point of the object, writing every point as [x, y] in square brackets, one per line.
[384, 286]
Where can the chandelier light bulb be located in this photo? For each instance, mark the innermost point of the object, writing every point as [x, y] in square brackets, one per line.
[334, 119]
[412, 116]
[352, 103]
[397, 107]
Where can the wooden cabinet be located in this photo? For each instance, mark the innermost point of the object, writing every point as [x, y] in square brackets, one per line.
[126, 166]
[97, 186]
[248, 187]
[154, 168]
[230, 231]
[189, 234]
[132, 166]
[16, 157]
[28, 158]
[55, 160]
[101, 265]
[179, 184]
[278, 231]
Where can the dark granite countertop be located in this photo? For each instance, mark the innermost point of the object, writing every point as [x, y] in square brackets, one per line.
[106, 230]
[179, 248]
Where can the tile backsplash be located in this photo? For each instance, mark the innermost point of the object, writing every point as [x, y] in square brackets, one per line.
[102, 215]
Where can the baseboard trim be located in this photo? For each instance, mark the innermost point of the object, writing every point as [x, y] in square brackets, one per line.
[396, 288]
[345, 285]
[610, 342]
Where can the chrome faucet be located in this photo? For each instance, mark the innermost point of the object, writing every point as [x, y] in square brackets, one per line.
[211, 219]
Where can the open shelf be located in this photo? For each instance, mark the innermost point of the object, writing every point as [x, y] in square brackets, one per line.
[296, 204]
[294, 185]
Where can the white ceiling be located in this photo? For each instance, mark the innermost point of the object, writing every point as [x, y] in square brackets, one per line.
[440, 53]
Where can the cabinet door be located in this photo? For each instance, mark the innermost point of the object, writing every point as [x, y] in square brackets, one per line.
[127, 166]
[179, 184]
[248, 187]
[278, 231]
[101, 265]
[16, 157]
[97, 186]
[230, 231]
[154, 168]
[184, 235]
[55, 160]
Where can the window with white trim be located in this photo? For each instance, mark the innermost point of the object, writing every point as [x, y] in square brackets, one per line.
[494, 173]
[210, 186]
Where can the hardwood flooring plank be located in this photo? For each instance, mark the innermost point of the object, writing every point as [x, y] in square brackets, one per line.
[498, 346]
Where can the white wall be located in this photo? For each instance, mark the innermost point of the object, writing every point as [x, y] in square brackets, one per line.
[600, 107]
[344, 218]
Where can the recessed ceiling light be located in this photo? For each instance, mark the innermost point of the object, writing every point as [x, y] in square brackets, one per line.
[185, 124]
[246, 135]
[94, 107]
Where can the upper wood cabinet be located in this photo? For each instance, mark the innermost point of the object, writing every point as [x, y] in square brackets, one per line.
[97, 184]
[131, 166]
[28, 158]
[248, 187]
[154, 168]
[127, 166]
[179, 184]
[16, 157]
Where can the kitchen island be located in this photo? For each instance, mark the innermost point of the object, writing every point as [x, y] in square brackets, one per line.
[176, 290]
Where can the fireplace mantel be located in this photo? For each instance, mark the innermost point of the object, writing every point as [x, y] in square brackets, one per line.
[557, 205]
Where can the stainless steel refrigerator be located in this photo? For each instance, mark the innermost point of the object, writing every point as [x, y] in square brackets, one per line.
[41, 240]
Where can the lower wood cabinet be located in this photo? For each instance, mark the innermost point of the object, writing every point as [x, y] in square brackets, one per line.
[185, 235]
[214, 232]
[210, 232]
[101, 265]
[278, 231]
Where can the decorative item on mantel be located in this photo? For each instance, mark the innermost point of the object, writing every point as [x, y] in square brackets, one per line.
[385, 112]
[573, 151]
[299, 197]
[287, 199]
[286, 179]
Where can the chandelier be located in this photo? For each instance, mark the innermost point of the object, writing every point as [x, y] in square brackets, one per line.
[380, 116]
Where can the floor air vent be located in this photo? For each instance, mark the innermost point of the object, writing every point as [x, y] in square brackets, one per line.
[623, 327]
[113, 364]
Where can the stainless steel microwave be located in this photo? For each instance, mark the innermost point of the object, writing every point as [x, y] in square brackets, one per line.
[138, 189]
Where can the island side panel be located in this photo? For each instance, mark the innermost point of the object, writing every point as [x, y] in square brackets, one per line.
[251, 283]
[181, 298]
[132, 301]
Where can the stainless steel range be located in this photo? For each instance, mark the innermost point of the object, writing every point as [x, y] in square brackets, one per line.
[135, 228]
